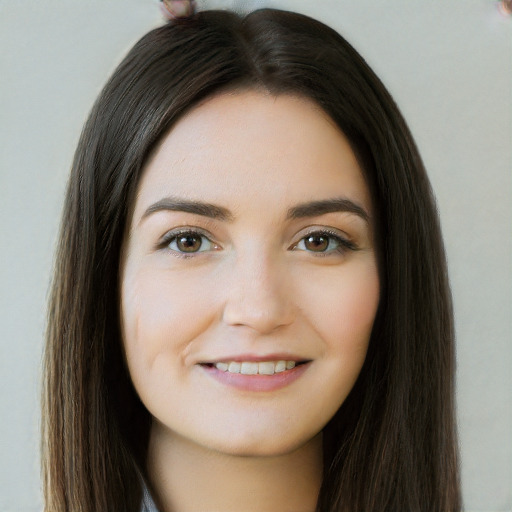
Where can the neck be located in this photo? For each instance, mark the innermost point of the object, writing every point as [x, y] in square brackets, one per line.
[187, 477]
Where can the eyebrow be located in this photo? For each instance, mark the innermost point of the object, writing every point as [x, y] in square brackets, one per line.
[308, 209]
[316, 208]
[183, 205]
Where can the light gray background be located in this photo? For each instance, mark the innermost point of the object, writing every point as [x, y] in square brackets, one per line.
[448, 64]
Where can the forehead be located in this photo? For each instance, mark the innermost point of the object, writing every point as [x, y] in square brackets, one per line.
[253, 147]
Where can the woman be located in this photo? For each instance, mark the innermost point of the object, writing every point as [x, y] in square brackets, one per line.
[250, 308]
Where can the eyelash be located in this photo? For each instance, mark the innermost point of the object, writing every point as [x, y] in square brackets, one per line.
[343, 243]
[168, 238]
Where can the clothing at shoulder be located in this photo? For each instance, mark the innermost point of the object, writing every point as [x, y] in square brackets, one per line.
[147, 505]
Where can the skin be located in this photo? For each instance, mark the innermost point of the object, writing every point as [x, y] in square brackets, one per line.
[257, 284]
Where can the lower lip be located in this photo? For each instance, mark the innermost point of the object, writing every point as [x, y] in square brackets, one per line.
[257, 382]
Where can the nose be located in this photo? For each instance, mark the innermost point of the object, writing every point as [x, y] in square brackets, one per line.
[258, 295]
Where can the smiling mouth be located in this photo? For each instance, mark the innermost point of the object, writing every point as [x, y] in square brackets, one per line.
[254, 367]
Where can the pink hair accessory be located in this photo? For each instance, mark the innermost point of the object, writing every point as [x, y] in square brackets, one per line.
[505, 7]
[175, 9]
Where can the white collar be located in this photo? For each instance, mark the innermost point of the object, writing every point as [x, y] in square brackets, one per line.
[147, 505]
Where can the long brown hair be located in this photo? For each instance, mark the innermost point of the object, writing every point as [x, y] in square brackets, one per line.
[392, 445]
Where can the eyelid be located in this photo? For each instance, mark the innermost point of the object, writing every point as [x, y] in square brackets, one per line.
[345, 242]
[168, 237]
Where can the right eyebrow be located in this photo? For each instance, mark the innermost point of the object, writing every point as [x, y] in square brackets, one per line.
[184, 205]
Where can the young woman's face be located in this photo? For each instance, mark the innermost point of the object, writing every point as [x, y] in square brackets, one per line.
[250, 250]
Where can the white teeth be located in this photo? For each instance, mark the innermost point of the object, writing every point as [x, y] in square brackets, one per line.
[234, 367]
[249, 369]
[280, 366]
[266, 368]
[254, 368]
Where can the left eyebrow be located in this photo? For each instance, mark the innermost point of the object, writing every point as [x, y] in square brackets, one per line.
[195, 207]
[316, 208]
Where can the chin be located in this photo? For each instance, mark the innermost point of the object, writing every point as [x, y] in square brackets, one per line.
[262, 446]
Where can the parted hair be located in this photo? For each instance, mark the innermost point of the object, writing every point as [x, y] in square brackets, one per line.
[392, 444]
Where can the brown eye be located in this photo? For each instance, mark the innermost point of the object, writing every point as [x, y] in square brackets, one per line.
[324, 243]
[189, 242]
[316, 243]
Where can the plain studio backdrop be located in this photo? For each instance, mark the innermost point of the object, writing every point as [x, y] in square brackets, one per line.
[448, 65]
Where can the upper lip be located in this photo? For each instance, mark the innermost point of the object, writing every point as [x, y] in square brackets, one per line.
[282, 356]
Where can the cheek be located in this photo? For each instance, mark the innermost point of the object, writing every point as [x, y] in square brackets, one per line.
[161, 314]
[342, 311]
[341, 307]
